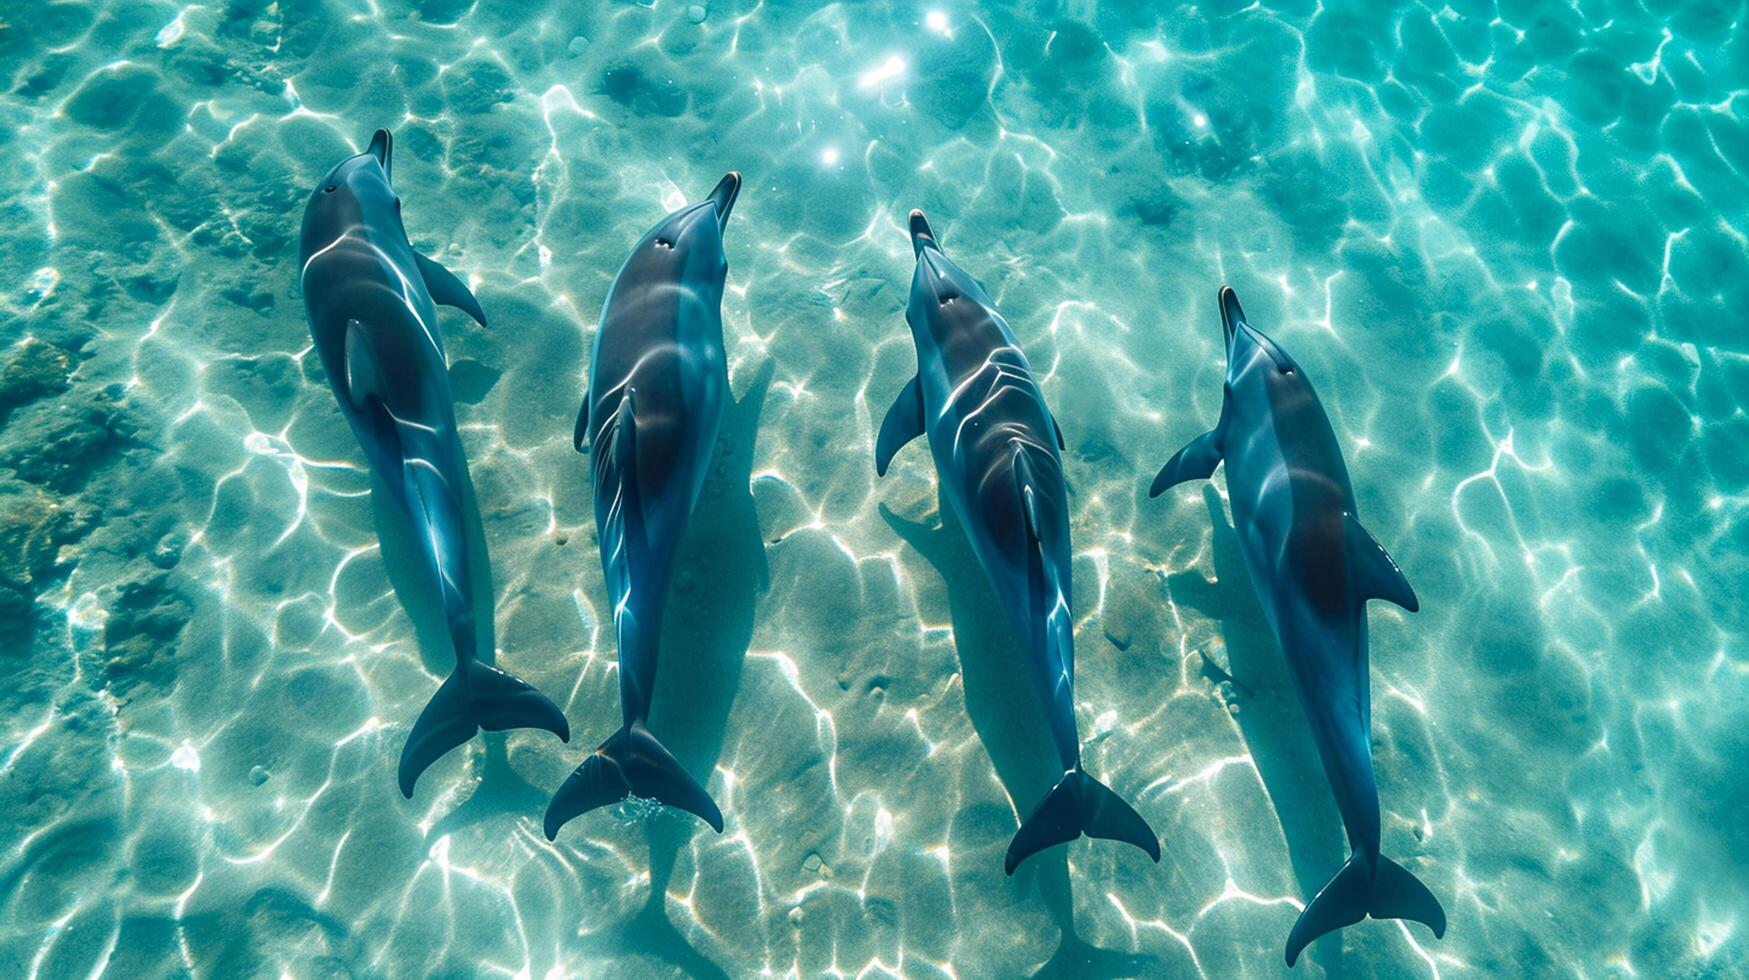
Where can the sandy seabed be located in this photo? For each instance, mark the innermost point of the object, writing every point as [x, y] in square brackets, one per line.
[1506, 241]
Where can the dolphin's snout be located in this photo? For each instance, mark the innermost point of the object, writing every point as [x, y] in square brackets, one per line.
[723, 197]
[1232, 314]
[921, 233]
[382, 146]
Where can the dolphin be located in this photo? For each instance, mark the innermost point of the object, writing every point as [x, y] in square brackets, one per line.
[369, 298]
[996, 446]
[1314, 567]
[657, 377]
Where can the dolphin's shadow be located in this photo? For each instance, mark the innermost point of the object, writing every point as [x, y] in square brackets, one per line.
[707, 624]
[1010, 720]
[502, 791]
[1271, 718]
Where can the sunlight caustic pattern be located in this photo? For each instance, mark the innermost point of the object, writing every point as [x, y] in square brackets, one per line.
[1507, 241]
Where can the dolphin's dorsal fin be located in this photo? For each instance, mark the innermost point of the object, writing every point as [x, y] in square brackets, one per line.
[1038, 571]
[580, 435]
[904, 422]
[1023, 482]
[625, 461]
[1044, 579]
[1375, 572]
[445, 288]
[364, 378]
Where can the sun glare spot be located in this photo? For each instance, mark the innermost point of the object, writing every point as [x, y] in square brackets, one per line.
[887, 70]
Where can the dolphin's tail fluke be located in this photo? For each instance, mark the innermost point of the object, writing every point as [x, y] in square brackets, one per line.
[631, 763]
[476, 696]
[1389, 893]
[1080, 804]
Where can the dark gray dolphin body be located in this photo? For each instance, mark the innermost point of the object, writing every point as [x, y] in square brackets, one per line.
[369, 297]
[995, 446]
[657, 378]
[1314, 567]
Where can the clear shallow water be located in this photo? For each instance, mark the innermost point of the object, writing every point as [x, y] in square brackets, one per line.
[1506, 241]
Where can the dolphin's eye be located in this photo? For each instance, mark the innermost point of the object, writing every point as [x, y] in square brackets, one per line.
[329, 189]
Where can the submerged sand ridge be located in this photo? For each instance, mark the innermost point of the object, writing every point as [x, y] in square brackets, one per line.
[1506, 249]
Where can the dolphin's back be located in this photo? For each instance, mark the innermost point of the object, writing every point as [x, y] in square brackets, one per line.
[996, 446]
[661, 339]
[989, 430]
[1314, 567]
[1290, 486]
[371, 303]
[656, 386]
[993, 440]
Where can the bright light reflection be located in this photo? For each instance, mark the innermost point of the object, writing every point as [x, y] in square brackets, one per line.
[893, 67]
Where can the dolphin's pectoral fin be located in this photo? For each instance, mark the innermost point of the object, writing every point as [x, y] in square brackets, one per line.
[904, 422]
[445, 288]
[1059, 430]
[1196, 461]
[1376, 575]
[364, 378]
[580, 434]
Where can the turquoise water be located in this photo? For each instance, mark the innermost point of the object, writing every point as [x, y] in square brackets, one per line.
[1506, 241]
